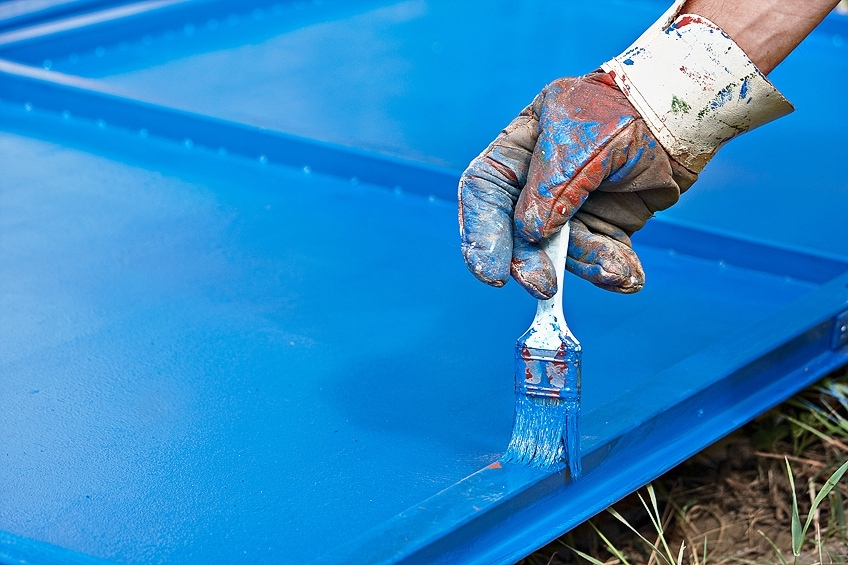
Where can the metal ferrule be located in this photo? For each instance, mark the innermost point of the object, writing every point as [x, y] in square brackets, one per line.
[548, 373]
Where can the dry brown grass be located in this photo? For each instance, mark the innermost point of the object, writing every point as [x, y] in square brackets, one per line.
[725, 501]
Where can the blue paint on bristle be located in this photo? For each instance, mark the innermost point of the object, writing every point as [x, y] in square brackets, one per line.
[546, 432]
[537, 435]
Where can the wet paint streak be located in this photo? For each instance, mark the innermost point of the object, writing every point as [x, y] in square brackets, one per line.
[576, 124]
[625, 170]
[572, 137]
[547, 386]
[743, 90]
[723, 96]
[685, 21]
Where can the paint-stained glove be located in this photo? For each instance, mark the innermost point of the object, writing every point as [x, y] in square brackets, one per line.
[607, 151]
[582, 135]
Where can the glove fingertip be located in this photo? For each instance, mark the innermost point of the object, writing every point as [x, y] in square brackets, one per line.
[489, 268]
[539, 287]
[533, 270]
[623, 283]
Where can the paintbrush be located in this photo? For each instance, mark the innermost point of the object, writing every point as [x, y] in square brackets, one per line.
[547, 381]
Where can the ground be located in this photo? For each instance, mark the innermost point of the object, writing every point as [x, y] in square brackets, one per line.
[736, 495]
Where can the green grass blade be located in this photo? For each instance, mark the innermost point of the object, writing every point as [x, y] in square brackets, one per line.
[586, 556]
[774, 547]
[828, 486]
[680, 554]
[653, 496]
[621, 519]
[608, 544]
[660, 529]
[837, 507]
[821, 435]
[656, 520]
[797, 535]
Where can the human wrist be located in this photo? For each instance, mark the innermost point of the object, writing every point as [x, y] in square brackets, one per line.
[694, 86]
[766, 30]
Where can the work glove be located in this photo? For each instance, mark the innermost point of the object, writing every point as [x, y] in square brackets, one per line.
[607, 151]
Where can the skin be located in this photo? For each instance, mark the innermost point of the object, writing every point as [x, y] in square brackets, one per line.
[597, 164]
[767, 30]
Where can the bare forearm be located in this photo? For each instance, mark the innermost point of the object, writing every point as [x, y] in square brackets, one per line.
[767, 30]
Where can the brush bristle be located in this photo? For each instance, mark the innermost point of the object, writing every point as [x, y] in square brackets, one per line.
[537, 434]
[545, 434]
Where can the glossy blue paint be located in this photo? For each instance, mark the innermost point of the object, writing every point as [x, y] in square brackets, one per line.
[182, 379]
[15, 13]
[302, 67]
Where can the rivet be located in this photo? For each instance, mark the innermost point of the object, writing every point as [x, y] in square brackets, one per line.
[263, 159]
[188, 143]
[306, 170]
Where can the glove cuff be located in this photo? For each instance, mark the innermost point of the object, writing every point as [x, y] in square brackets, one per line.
[694, 86]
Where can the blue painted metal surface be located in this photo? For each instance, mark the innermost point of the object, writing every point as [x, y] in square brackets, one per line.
[17, 13]
[250, 355]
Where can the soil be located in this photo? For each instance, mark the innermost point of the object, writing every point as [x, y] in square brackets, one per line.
[734, 495]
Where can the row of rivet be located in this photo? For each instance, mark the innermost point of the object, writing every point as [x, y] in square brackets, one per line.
[188, 30]
[189, 144]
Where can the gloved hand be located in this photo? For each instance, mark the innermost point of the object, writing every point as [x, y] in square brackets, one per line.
[580, 144]
[607, 151]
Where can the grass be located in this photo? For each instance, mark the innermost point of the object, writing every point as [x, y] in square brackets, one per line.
[770, 493]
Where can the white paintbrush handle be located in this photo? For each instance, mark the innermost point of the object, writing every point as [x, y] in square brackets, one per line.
[549, 322]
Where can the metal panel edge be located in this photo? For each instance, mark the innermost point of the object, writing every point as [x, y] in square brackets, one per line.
[17, 550]
[502, 513]
[82, 22]
[741, 251]
[90, 100]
